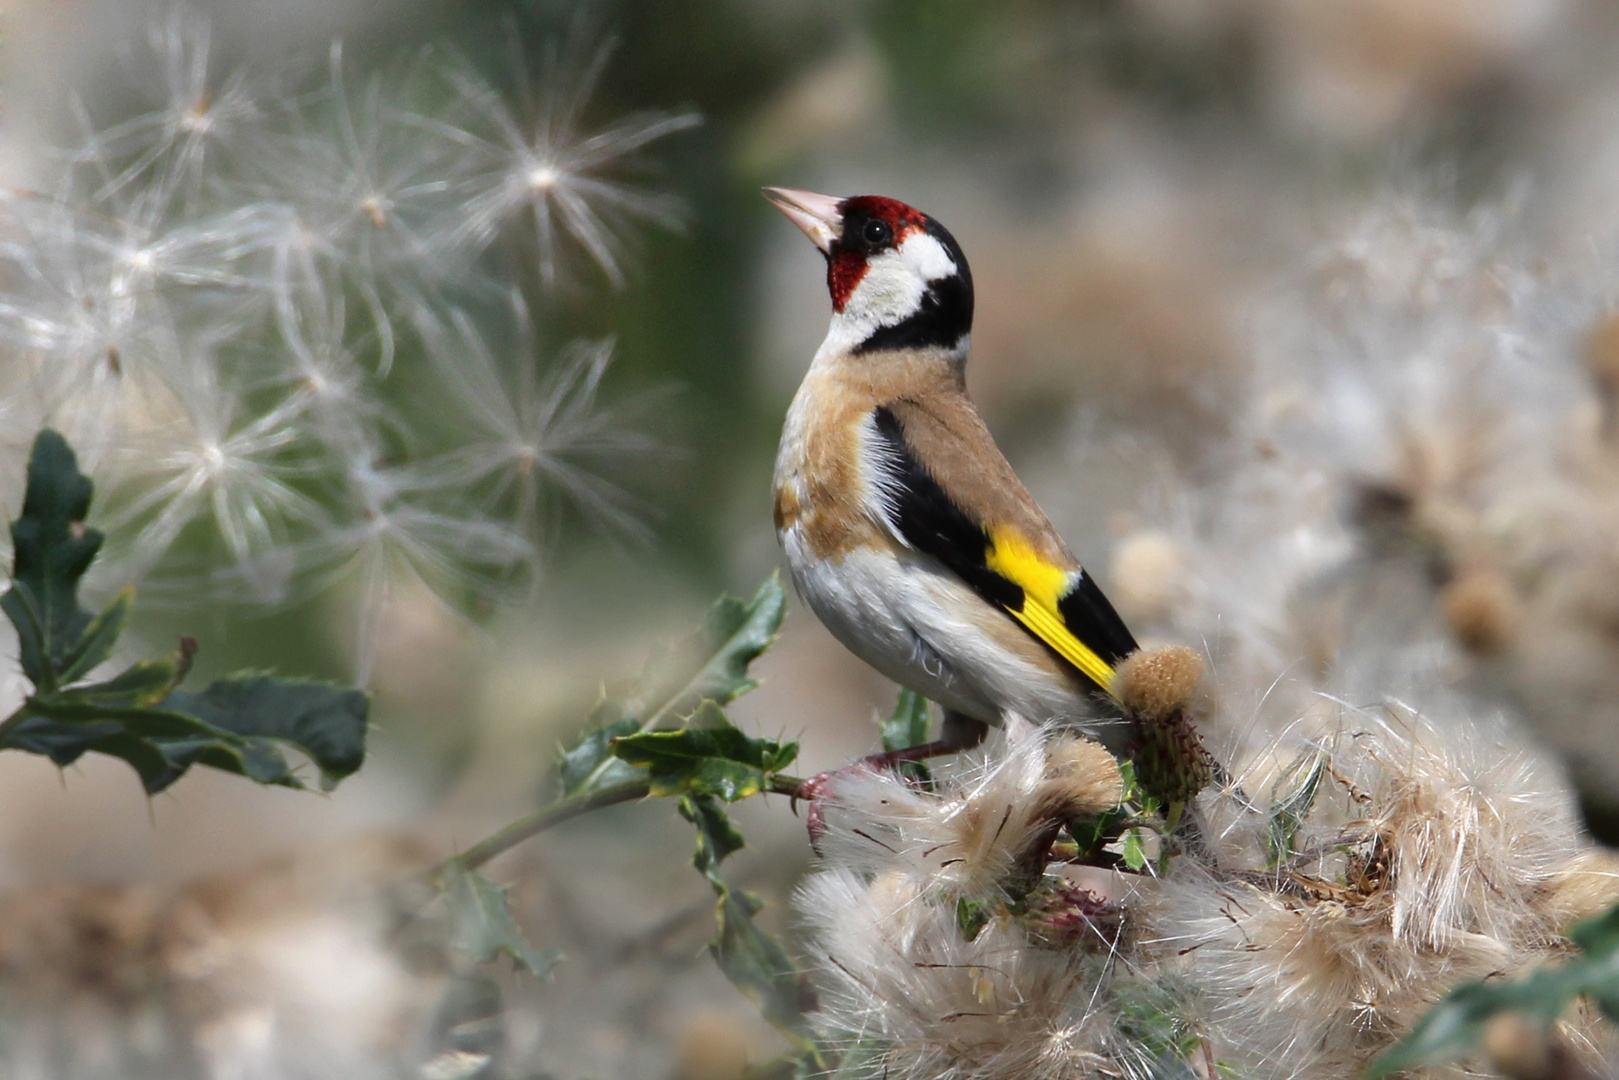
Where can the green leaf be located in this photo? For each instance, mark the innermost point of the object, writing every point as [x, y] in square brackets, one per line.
[717, 838]
[711, 665]
[1292, 798]
[146, 682]
[733, 635]
[1452, 1029]
[1135, 855]
[591, 763]
[324, 721]
[754, 961]
[51, 549]
[238, 725]
[98, 639]
[710, 757]
[908, 727]
[481, 924]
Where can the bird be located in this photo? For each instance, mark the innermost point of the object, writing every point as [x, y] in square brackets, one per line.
[905, 529]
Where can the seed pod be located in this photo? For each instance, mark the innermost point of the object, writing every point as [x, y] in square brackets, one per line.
[1159, 691]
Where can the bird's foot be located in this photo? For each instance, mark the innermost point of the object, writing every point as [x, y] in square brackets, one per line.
[960, 733]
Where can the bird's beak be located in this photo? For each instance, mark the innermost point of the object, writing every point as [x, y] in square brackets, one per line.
[817, 215]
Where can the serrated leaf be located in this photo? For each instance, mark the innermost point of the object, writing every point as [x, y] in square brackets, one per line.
[754, 961]
[591, 763]
[65, 743]
[98, 639]
[711, 665]
[51, 549]
[236, 725]
[481, 924]
[1292, 799]
[324, 721]
[733, 635]
[717, 837]
[144, 683]
[709, 757]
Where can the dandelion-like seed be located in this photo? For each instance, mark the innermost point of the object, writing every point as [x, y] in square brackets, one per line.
[171, 148]
[241, 472]
[204, 299]
[533, 431]
[548, 167]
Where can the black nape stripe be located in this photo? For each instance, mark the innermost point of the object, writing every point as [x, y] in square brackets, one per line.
[945, 317]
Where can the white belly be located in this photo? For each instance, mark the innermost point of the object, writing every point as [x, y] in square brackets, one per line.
[916, 623]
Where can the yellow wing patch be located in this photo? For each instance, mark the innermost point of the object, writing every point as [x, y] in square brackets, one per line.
[1043, 584]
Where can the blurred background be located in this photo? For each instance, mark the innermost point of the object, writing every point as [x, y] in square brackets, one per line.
[1255, 278]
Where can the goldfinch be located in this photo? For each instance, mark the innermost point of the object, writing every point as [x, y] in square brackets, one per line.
[905, 529]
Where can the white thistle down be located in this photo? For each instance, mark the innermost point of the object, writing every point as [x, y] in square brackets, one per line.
[210, 299]
[909, 988]
[539, 163]
[1426, 861]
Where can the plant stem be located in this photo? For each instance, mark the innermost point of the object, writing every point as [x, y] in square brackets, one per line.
[547, 816]
[573, 806]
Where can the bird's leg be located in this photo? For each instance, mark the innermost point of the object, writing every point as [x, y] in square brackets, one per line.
[958, 732]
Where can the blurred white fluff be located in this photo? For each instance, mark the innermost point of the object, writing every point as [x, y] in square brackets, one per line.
[1418, 468]
[208, 299]
[286, 971]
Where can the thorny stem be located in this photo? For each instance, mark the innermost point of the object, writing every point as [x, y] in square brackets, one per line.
[566, 809]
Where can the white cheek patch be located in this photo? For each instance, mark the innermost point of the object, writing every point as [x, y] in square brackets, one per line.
[891, 290]
[927, 257]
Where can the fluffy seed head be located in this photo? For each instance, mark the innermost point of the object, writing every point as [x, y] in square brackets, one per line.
[1082, 778]
[1156, 683]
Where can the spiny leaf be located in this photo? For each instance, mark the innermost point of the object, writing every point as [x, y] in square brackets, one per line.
[481, 924]
[144, 683]
[237, 725]
[709, 757]
[754, 961]
[908, 727]
[98, 639]
[733, 635]
[1292, 798]
[51, 548]
[717, 837]
[711, 665]
[590, 762]
[324, 721]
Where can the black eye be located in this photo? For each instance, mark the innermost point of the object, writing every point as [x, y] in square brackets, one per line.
[876, 233]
